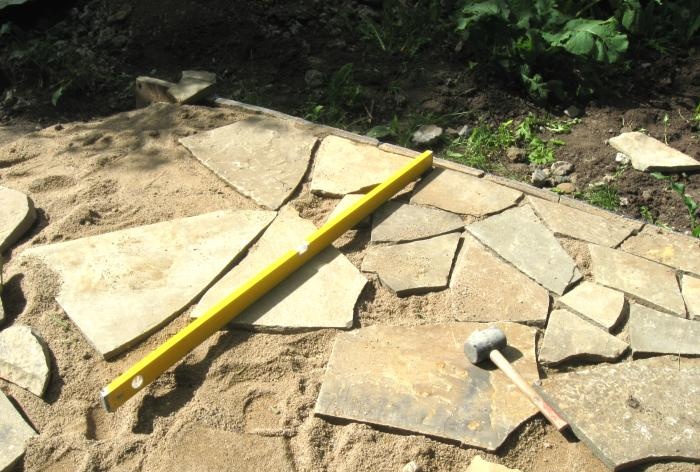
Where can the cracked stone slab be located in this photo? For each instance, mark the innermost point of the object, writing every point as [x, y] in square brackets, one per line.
[321, 294]
[343, 166]
[464, 194]
[14, 432]
[653, 332]
[262, 158]
[417, 378]
[398, 222]
[570, 337]
[649, 155]
[636, 276]
[119, 287]
[17, 214]
[601, 305]
[691, 295]
[484, 288]
[414, 267]
[24, 359]
[518, 236]
[672, 249]
[628, 413]
[567, 221]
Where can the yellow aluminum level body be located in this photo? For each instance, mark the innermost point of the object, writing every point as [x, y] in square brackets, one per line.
[158, 361]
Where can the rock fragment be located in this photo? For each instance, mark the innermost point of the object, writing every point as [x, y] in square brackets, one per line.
[653, 332]
[601, 305]
[14, 432]
[17, 215]
[24, 359]
[691, 295]
[398, 222]
[479, 464]
[426, 134]
[649, 155]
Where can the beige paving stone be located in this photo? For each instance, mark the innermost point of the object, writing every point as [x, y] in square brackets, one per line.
[653, 332]
[24, 359]
[190, 90]
[262, 158]
[648, 154]
[479, 464]
[14, 433]
[17, 215]
[346, 202]
[397, 222]
[321, 294]
[673, 249]
[636, 276]
[343, 166]
[691, 294]
[119, 287]
[464, 194]
[601, 305]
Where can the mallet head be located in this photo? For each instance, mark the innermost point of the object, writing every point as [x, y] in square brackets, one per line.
[481, 343]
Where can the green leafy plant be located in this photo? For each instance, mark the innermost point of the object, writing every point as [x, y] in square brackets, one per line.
[666, 121]
[341, 96]
[646, 214]
[690, 204]
[603, 196]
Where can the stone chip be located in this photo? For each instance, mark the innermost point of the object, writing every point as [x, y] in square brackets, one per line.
[24, 359]
[691, 295]
[17, 215]
[14, 432]
[649, 155]
[398, 222]
[598, 304]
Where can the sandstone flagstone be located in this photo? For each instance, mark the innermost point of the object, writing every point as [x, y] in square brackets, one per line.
[484, 288]
[675, 250]
[518, 236]
[14, 432]
[648, 154]
[119, 287]
[632, 412]
[262, 158]
[599, 304]
[652, 332]
[639, 277]
[321, 294]
[413, 267]
[691, 295]
[398, 222]
[17, 215]
[570, 337]
[343, 166]
[464, 194]
[478, 464]
[24, 359]
[417, 378]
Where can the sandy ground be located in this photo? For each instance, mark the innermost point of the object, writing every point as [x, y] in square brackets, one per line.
[241, 401]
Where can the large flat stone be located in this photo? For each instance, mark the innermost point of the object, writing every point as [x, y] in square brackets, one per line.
[17, 215]
[652, 332]
[418, 379]
[24, 359]
[629, 413]
[570, 337]
[636, 276]
[414, 267]
[484, 288]
[673, 249]
[119, 287]
[518, 236]
[262, 158]
[343, 166]
[397, 222]
[14, 432]
[566, 221]
[601, 305]
[691, 295]
[464, 194]
[648, 154]
[321, 294]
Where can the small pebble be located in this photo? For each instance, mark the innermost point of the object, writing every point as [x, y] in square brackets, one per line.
[412, 467]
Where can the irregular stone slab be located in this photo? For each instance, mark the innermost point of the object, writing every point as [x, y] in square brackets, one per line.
[193, 86]
[569, 337]
[691, 295]
[262, 158]
[464, 194]
[484, 288]
[478, 464]
[24, 359]
[629, 413]
[343, 166]
[673, 249]
[638, 277]
[417, 378]
[414, 267]
[652, 332]
[346, 202]
[397, 222]
[14, 432]
[601, 305]
[149, 90]
[119, 287]
[321, 294]
[566, 221]
[648, 154]
[17, 215]
[518, 236]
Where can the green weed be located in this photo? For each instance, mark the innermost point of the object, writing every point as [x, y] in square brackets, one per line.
[342, 96]
[603, 196]
[690, 204]
[646, 214]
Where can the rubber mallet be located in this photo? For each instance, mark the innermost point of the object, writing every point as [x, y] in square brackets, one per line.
[486, 344]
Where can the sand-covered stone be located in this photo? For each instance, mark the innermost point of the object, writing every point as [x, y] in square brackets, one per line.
[672, 249]
[648, 154]
[653, 332]
[518, 236]
[417, 379]
[14, 432]
[484, 288]
[413, 267]
[121, 286]
[691, 294]
[479, 464]
[17, 215]
[570, 337]
[398, 222]
[566, 221]
[343, 166]
[636, 276]
[24, 359]
[192, 87]
[463, 193]
[599, 304]
[321, 294]
[262, 158]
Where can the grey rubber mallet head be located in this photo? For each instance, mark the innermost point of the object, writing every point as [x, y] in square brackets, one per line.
[480, 344]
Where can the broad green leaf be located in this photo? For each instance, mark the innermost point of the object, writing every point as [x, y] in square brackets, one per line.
[381, 131]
